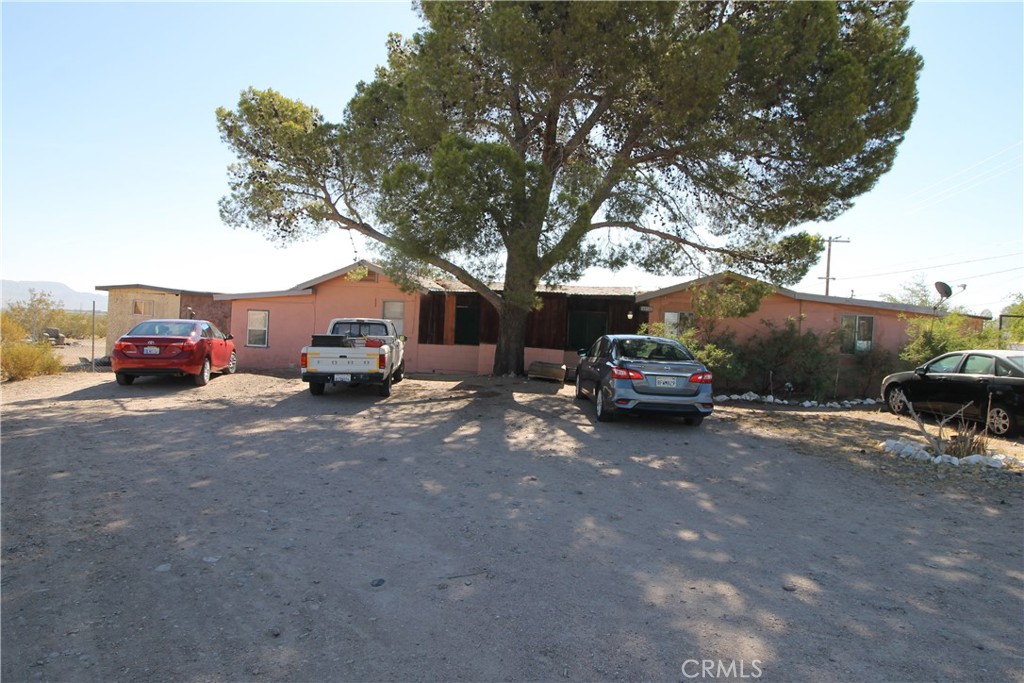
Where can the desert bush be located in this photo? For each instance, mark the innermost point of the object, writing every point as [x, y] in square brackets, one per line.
[719, 355]
[965, 442]
[22, 360]
[806, 361]
[79, 324]
[930, 337]
[869, 369]
[10, 330]
[42, 311]
[36, 314]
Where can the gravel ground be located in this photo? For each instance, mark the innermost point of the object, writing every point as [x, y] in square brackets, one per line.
[487, 530]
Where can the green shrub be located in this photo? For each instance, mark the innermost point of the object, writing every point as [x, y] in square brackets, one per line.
[719, 355]
[869, 369]
[22, 360]
[806, 361]
[930, 337]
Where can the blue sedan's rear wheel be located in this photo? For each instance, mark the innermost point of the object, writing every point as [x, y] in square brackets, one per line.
[604, 411]
[693, 420]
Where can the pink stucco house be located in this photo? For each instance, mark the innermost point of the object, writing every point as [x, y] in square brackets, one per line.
[873, 325]
[451, 329]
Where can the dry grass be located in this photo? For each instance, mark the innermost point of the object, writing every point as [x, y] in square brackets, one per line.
[22, 360]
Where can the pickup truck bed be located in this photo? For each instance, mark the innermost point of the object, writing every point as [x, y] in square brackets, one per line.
[354, 351]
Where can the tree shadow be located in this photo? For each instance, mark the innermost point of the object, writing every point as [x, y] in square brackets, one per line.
[246, 541]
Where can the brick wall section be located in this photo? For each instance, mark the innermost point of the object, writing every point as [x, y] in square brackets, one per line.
[217, 312]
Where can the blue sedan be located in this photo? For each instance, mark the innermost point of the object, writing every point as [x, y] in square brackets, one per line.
[631, 373]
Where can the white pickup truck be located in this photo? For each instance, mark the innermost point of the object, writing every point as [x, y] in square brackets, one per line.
[355, 351]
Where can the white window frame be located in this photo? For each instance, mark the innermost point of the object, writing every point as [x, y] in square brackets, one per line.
[250, 328]
[676, 322]
[398, 321]
[858, 344]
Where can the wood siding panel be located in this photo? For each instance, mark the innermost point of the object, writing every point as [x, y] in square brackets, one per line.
[546, 328]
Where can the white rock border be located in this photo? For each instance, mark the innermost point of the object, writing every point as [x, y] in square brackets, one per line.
[913, 451]
[754, 398]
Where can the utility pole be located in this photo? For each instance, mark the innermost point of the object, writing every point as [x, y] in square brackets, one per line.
[828, 260]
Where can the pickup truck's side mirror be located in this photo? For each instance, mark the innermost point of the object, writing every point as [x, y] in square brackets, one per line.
[921, 371]
[581, 352]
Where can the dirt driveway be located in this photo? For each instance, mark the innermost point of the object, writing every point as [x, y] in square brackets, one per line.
[486, 530]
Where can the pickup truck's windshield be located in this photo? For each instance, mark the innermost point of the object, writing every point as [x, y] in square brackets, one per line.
[357, 329]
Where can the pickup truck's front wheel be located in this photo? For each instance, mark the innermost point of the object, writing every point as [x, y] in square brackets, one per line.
[316, 388]
[385, 387]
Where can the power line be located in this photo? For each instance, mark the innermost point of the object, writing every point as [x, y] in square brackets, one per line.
[964, 170]
[941, 265]
[978, 277]
[964, 186]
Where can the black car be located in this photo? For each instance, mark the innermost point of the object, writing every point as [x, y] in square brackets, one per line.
[632, 373]
[990, 383]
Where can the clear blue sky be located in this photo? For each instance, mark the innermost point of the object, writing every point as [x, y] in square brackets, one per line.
[112, 165]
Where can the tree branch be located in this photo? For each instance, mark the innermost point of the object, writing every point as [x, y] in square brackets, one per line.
[368, 230]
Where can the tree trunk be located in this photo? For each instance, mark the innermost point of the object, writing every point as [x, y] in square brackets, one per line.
[509, 356]
[518, 299]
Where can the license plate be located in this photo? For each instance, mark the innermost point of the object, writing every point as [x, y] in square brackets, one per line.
[665, 381]
[151, 350]
[343, 377]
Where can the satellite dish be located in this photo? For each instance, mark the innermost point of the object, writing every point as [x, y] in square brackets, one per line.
[944, 290]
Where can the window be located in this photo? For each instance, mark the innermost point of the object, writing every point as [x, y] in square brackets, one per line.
[677, 321]
[946, 364]
[858, 333]
[979, 365]
[358, 329]
[395, 312]
[142, 307]
[257, 327]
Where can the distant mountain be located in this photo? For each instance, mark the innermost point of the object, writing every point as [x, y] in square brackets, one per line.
[17, 290]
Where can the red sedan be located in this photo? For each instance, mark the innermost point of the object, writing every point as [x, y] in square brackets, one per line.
[173, 347]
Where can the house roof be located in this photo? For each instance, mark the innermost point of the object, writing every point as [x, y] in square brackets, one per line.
[428, 285]
[569, 290]
[169, 290]
[373, 267]
[456, 287]
[799, 296]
